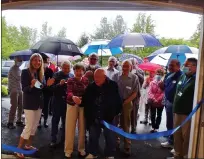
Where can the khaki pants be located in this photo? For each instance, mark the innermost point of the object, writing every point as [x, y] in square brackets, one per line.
[74, 113]
[16, 98]
[181, 136]
[125, 122]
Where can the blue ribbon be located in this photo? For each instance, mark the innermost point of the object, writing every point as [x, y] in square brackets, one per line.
[119, 131]
[152, 135]
[18, 150]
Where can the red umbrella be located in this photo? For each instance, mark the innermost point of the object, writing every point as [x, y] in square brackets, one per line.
[149, 66]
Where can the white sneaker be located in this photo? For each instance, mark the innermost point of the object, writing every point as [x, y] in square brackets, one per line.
[109, 157]
[90, 156]
[82, 153]
[173, 152]
[167, 145]
[68, 155]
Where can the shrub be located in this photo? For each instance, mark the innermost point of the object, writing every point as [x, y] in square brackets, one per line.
[4, 91]
[4, 81]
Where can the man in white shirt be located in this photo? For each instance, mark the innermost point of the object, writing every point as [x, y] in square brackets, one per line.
[110, 70]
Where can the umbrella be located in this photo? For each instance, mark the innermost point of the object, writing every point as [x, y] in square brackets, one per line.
[100, 46]
[126, 56]
[26, 54]
[164, 55]
[134, 40]
[62, 58]
[164, 59]
[149, 66]
[57, 46]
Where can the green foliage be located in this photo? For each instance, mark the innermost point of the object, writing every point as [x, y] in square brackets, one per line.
[4, 81]
[4, 91]
[46, 31]
[83, 40]
[144, 24]
[62, 33]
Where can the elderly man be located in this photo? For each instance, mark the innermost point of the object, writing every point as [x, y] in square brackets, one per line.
[182, 107]
[140, 74]
[16, 96]
[93, 65]
[129, 86]
[59, 89]
[110, 70]
[101, 101]
[170, 83]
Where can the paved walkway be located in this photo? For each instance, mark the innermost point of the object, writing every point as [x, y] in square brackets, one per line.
[140, 149]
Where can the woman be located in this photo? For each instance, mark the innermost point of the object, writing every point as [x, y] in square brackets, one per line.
[147, 106]
[75, 89]
[155, 100]
[32, 100]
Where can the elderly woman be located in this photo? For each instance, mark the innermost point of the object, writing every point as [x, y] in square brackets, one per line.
[31, 80]
[155, 100]
[111, 70]
[75, 89]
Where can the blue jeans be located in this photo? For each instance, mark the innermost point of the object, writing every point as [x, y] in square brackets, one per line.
[110, 140]
[169, 119]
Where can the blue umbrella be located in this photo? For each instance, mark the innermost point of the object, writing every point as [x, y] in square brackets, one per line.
[134, 40]
[126, 56]
[25, 55]
[100, 47]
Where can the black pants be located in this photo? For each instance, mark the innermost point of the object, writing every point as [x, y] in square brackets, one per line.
[59, 111]
[156, 115]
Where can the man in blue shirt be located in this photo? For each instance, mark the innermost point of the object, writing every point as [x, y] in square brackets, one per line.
[170, 83]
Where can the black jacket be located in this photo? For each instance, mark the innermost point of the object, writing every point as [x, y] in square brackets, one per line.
[48, 74]
[32, 97]
[111, 103]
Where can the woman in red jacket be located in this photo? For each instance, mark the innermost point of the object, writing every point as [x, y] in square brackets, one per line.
[155, 99]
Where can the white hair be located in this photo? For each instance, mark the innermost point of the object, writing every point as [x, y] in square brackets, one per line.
[112, 58]
[133, 61]
[67, 62]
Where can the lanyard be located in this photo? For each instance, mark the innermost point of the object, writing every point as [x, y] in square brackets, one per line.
[185, 82]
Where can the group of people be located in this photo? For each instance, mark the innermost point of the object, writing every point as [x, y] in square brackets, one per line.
[94, 94]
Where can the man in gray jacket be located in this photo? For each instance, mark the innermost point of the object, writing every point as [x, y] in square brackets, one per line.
[16, 97]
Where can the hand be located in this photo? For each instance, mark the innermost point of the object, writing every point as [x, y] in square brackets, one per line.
[88, 74]
[62, 82]
[50, 81]
[76, 100]
[33, 83]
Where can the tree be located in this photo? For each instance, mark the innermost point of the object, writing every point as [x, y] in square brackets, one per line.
[144, 24]
[46, 31]
[34, 37]
[103, 31]
[62, 33]
[119, 26]
[83, 40]
[195, 38]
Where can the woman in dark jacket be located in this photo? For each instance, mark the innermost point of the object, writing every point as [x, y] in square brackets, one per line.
[31, 80]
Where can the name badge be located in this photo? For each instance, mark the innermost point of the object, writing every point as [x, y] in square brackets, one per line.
[180, 94]
[174, 81]
[179, 82]
[128, 87]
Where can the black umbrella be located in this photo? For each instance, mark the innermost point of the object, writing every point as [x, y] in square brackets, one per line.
[57, 46]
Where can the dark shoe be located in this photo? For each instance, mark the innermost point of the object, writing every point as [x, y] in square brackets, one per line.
[39, 126]
[127, 152]
[82, 154]
[10, 126]
[144, 122]
[53, 144]
[133, 131]
[20, 124]
[45, 125]
[153, 131]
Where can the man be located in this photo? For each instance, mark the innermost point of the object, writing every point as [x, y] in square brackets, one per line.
[101, 101]
[110, 70]
[182, 107]
[59, 102]
[129, 86]
[16, 95]
[170, 83]
[134, 114]
[93, 60]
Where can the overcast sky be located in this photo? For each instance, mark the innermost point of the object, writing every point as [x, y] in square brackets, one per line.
[168, 24]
